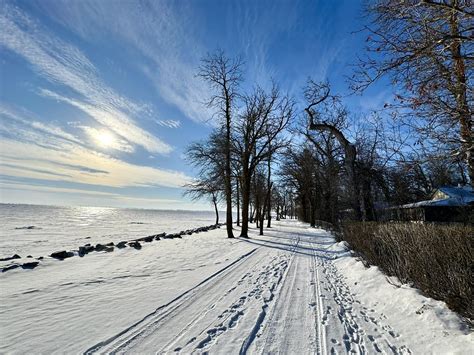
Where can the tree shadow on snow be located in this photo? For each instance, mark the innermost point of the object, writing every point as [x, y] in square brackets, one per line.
[301, 250]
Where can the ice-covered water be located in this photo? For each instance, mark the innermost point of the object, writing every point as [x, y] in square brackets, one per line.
[40, 230]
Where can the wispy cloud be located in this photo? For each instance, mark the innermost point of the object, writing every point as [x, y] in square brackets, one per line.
[55, 189]
[163, 36]
[26, 160]
[61, 63]
[112, 142]
[8, 189]
[169, 123]
[39, 151]
[31, 187]
[27, 119]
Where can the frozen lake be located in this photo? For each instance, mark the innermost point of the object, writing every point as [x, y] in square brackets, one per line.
[40, 230]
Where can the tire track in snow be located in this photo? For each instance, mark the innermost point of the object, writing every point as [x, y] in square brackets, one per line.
[265, 324]
[266, 284]
[320, 337]
[204, 337]
[147, 324]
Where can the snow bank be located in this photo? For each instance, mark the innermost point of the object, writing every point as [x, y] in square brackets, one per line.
[429, 324]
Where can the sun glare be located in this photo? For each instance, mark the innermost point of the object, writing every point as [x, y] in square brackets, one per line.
[105, 139]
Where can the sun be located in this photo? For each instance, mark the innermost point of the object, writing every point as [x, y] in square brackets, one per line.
[105, 139]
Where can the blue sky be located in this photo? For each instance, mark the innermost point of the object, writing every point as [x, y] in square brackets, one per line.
[99, 99]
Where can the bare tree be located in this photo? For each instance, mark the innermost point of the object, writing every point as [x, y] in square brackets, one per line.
[258, 135]
[300, 172]
[224, 75]
[318, 96]
[205, 188]
[426, 47]
[208, 157]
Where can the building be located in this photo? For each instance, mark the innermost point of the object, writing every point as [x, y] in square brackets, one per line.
[447, 204]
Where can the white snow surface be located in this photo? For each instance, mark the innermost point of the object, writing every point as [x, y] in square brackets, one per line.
[293, 291]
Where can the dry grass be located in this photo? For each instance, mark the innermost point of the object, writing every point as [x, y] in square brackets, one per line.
[438, 259]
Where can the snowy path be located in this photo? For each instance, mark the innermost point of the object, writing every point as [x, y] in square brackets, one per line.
[292, 291]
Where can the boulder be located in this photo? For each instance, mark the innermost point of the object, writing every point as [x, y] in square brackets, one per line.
[10, 267]
[105, 247]
[30, 265]
[16, 256]
[121, 245]
[40, 258]
[29, 256]
[61, 255]
[100, 247]
[135, 245]
[85, 250]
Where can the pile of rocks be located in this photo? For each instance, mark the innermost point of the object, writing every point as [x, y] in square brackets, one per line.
[109, 247]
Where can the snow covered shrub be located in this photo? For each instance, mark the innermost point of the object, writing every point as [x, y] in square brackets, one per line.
[438, 259]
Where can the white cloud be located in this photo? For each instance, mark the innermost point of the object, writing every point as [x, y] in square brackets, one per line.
[64, 64]
[106, 140]
[169, 123]
[163, 37]
[29, 187]
[16, 192]
[116, 121]
[25, 118]
[29, 160]
[30, 149]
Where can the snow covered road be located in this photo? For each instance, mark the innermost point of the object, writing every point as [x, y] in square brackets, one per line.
[293, 291]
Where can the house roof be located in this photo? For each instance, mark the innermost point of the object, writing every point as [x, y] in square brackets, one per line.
[464, 193]
[458, 196]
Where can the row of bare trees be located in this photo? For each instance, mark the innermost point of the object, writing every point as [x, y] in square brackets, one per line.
[238, 155]
[332, 162]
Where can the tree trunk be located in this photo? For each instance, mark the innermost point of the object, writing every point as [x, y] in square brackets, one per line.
[465, 117]
[313, 211]
[257, 214]
[238, 203]
[217, 211]
[269, 195]
[266, 205]
[245, 204]
[228, 170]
